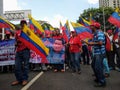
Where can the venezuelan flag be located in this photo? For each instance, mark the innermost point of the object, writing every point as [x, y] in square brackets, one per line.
[83, 31]
[6, 24]
[84, 22]
[35, 23]
[115, 18]
[33, 42]
[92, 19]
[66, 31]
[79, 28]
[61, 25]
[46, 28]
[51, 28]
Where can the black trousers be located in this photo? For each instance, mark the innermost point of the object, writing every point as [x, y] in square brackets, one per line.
[111, 58]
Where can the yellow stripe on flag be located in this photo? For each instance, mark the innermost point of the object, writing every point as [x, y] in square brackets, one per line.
[67, 23]
[35, 23]
[51, 28]
[76, 24]
[35, 38]
[86, 21]
[11, 25]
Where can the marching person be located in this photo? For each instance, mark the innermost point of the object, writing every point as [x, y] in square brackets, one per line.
[22, 57]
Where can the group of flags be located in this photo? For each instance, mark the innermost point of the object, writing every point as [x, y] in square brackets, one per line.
[6, 24]
[82, 28]
[115, 20]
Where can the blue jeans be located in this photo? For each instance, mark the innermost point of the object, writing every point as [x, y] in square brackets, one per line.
[97, 66]
[75, 61]
[22, 65]
[106, 67]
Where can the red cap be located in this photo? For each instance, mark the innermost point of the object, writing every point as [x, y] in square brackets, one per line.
[7, 32]
[109, 31]
[97, 25]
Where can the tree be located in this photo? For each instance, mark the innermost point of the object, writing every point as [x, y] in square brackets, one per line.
[97, 15]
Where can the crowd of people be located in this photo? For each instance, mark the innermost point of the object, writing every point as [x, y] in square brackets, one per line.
[87, 52]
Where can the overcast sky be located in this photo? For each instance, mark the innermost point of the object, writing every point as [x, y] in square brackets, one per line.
[52, 11]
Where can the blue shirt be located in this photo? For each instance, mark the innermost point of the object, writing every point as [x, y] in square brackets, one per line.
[99, 36]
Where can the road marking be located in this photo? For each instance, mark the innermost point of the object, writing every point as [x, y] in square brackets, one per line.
[32, 81]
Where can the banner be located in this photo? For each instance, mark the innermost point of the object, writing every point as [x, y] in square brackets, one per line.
[7, 52]
[56, 52]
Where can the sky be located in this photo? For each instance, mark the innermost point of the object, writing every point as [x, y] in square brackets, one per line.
[52, 11]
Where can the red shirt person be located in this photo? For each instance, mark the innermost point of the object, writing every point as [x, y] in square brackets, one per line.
[19, 45]
[75, 48]
[75, 44]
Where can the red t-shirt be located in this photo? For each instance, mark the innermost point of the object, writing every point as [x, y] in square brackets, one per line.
[19, 44]
[75, 44]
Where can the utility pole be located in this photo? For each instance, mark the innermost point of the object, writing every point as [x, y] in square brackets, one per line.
[104, 19]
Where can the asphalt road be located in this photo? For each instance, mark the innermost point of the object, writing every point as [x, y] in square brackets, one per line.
[62, 81]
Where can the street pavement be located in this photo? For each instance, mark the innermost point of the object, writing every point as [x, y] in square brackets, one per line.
[50, 80]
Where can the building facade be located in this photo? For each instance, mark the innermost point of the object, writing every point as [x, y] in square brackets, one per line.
[109, 3]
[1, 7]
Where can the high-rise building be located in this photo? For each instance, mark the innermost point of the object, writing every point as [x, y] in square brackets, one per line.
[1, 7]
[109, 3]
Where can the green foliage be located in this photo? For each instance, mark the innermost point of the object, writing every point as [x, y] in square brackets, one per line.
[97, 15]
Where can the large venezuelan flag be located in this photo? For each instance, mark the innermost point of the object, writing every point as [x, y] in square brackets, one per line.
[83, 31]
[6, 24]
[115, 18]
[33, 42]
[35, 24]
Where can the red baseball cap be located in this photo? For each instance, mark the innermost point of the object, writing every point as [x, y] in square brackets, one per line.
[109, 31]
[97, 25]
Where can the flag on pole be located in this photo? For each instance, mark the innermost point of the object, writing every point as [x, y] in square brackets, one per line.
[84, 22]
[35, 23]
[115, 18]
[51, 28]
[91, 19]
[66, 31]
[34, 42]
[6, 24]
[82, 31]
